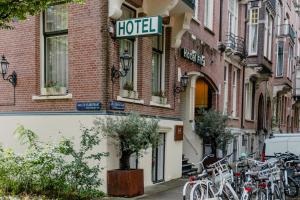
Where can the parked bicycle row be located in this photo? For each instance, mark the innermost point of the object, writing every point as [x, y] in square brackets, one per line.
[246, 179]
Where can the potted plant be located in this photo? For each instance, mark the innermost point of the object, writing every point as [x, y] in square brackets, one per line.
[159, 97]
[54, 88]
[132, 134]
[211, 126]
[128, 90]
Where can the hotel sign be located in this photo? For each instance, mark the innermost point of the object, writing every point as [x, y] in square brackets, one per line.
[139, 27]
[193, 56]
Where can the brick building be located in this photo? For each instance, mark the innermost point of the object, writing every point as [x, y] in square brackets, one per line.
[74, 48]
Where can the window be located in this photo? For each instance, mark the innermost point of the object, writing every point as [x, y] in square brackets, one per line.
[234, 93]
[55, 31]
[290, 62]
[250, 94]
[253, 31]
[209, 12]
[196, 10]
[279, 15]
[127, 82]
[279, 62]
[158, 65]
[232, 16]
[268, 36]
[225, 90]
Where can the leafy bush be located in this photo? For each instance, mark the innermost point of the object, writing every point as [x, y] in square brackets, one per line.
[211, 126]
[53, 170]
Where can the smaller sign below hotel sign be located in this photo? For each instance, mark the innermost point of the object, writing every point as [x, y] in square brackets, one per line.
[117, 105]
[193, 56]
[139, 27]
[88, 106]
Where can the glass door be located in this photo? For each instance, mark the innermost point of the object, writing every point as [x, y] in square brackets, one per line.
[158, 160]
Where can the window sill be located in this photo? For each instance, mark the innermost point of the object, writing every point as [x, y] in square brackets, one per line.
[233, 118]
[49, 97]
[128, 100]
[249, 120]
[152, 103]
[196, 20]
[208, 30]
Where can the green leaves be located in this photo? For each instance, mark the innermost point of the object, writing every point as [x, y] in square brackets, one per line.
[132, 133]
[11, 10]
[57, 171]
[212, 126]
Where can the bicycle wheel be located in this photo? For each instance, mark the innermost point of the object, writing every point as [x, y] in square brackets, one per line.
[277, 195]
[292, 190]
[229, 193]
[261, 194]
[196, 193]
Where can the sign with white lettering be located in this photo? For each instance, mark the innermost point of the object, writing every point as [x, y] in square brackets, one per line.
[139, 27]
[193, 56]
[88, 106]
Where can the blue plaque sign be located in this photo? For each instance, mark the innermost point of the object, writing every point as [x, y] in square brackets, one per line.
[88, 106]
[117, 105]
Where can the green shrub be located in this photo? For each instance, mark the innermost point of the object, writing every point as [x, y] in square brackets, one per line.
[53, 170]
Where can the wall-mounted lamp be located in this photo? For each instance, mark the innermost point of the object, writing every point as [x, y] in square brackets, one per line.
[126, 64]
[4, 69]
[184, 80]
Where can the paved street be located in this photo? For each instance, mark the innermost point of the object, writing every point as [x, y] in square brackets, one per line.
[173, 194]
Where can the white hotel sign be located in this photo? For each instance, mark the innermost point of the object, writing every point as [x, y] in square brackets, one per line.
[139, 27]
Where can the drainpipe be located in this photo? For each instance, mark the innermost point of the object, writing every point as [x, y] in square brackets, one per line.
[220, 21]
[244, 69]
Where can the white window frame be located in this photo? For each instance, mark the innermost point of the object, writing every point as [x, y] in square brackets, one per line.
[234, 92]
[268, 35]
[225, 102]
[290, 62]
[135, 57]
[163, 63]
[43, 54]
[248, 100]
[196, 11]
[234, 13]
[208, 14]
[251, 25]
[277, 59]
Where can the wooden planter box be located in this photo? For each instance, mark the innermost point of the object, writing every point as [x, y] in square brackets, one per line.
[125, 183]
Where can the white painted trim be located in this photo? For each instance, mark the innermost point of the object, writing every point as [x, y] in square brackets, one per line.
[42, 56]
[136, 101]
[37, 97]
[152, 103]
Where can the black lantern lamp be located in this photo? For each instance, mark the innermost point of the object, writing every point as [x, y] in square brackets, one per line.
[4, 69]
[184, 80]
[126, 64]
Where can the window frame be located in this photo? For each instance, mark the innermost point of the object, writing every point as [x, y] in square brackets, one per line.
[43, 43]
[133, 69]
[277, 58]
[209, 6]
[225, 103]
[161, 54]
[251, 25]
[234, 92]
[234, 13]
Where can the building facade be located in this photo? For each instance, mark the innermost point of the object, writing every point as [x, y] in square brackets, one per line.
[69, 73]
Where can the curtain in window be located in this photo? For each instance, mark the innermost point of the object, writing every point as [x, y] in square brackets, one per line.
[56, 45]
[157, 56]
[57, 60]
[253, 30]
[279, 65]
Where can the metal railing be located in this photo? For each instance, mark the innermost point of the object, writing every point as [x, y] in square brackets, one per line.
[190, 3]
[236, 44]
[286, 30]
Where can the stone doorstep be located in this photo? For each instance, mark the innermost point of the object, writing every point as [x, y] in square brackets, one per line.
[154, 189]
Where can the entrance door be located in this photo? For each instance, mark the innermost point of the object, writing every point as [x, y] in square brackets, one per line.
[158, 160]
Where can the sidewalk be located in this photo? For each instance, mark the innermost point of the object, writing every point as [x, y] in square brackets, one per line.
[155, 191]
